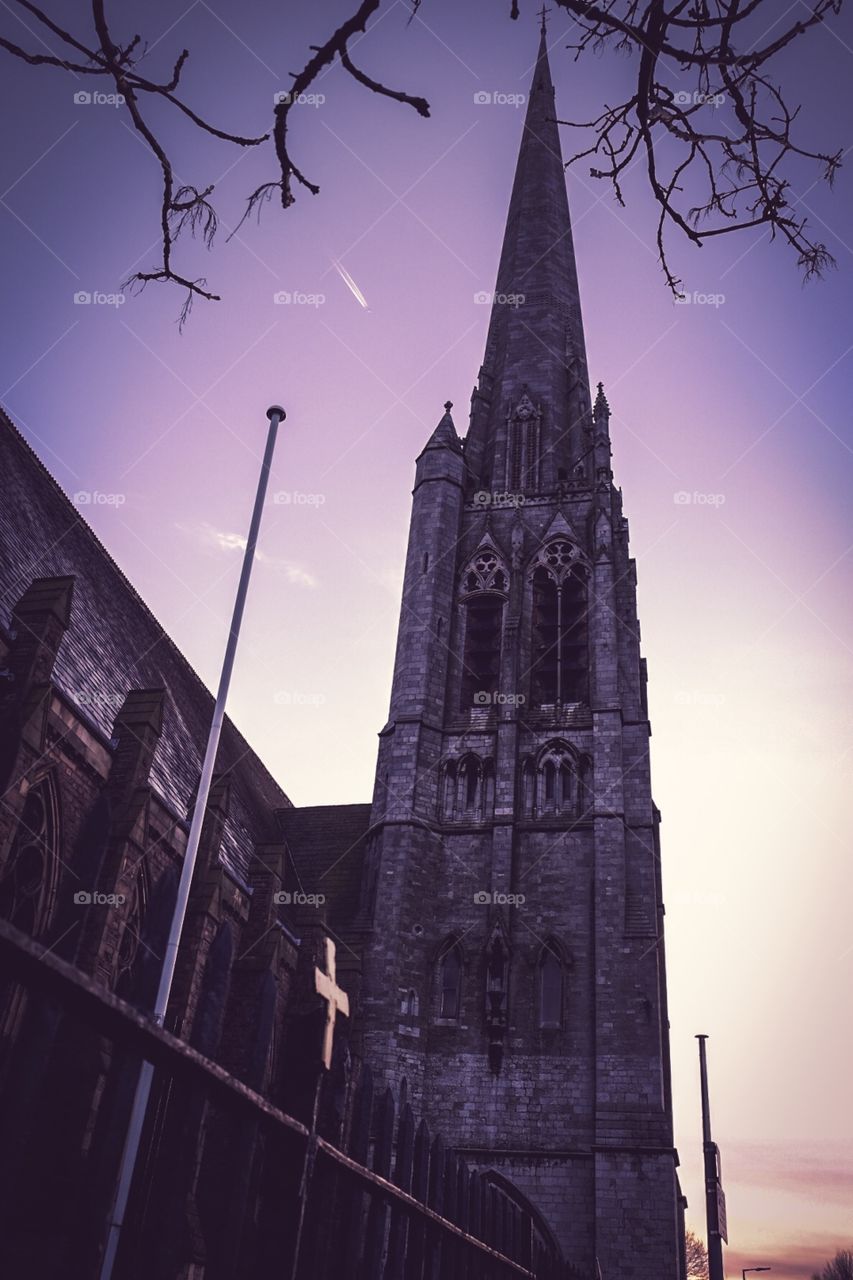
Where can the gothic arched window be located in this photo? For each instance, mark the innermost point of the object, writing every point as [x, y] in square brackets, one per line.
[450, 982]
[210, 1013]
[528, 787]
[131, 937]
[466, 789]
[29, 881]
[557, 780]
[482, 653]
[468, 792]
[484, 586]
[488, 789]
[143, 942]
[409, 1003]
[447, 791]
[549, 777]
[550, 986]
[560, 631]
[485, 572]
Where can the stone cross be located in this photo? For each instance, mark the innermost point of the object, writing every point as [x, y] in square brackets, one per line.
[335, 998]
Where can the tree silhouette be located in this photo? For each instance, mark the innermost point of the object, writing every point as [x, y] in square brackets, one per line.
[840, 1268]
[704, 117]
[697, 1257]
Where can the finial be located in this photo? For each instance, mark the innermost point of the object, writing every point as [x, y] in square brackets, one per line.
[601, 407]
[542, 12]
[448, 405]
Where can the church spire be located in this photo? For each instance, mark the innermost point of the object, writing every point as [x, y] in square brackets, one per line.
[535, 333]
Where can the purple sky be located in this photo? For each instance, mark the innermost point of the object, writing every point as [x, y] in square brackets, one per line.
[743, 600]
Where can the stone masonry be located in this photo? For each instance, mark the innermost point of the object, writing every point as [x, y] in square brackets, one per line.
[514, 968]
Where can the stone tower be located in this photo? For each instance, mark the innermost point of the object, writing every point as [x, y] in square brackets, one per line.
[514, 964]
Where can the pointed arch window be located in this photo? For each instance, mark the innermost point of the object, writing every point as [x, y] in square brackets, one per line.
[557, 782]
[485, 583]
[450, 983]
[210, 1012]
[131, 936]
[486, 572]
[143, 942]
[560, 638]
[29, 880]
[550, 987]
[467, 789]
[528, 787]
[549, 778]
[556, 790]
[409, 1003]
[469, 786]
[488, 789]
[447, 791]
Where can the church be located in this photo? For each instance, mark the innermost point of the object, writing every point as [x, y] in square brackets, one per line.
[496, 909]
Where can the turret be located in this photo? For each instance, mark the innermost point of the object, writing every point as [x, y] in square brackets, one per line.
[421, 665]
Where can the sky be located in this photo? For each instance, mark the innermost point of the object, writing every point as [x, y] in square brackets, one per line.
[740, 403]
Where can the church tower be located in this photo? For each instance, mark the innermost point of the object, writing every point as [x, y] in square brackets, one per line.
[514, 963]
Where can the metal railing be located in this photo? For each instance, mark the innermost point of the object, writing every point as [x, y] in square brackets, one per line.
[230, 1186]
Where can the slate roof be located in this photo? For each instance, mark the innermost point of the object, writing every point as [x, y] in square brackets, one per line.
[115, 644]
[327, 845]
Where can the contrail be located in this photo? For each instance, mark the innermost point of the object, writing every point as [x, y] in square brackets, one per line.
[350, 284]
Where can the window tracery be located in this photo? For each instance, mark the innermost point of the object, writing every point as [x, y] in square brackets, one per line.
[560, 639]
[29, 882]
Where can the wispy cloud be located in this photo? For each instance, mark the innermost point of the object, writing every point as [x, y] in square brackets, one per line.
[818, 1172]
[772, 1186]
[225, 540]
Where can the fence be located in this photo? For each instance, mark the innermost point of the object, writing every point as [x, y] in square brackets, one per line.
[230, 1186]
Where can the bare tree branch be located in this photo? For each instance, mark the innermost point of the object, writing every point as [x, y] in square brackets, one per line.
[716, 147]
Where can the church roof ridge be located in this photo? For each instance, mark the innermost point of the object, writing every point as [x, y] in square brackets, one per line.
[244, 751]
